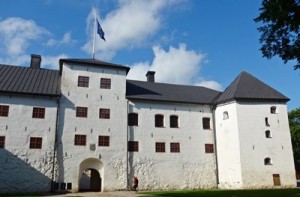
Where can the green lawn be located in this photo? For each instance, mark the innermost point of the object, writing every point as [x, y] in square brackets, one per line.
[230, 193]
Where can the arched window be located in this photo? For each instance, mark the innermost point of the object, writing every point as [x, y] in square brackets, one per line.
[267, 122]
[268, 134]
[174, 121]
[225, 115]
[133, 119]
[159, 120]
[268, 161]
[273, 110]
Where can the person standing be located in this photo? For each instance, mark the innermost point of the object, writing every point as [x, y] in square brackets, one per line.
[135, 183]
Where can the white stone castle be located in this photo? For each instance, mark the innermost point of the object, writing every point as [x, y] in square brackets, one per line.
[85, 127]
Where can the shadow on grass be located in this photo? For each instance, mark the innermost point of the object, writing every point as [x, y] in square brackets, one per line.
[230, 193]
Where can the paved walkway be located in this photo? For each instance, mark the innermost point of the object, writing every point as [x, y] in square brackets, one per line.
[100, 194]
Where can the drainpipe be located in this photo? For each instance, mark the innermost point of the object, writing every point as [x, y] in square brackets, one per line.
[55, 143]
[127, 153]
[215, 141]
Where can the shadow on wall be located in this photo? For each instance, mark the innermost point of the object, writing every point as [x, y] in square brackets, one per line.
[18, 176]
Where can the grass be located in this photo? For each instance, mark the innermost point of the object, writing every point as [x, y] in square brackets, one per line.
[230, 193]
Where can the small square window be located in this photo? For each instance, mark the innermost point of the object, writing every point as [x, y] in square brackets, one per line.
[4, 110]
[133, 119]
[209, 148]
[35, 143]
[2, 141]
[38, 112]
[206, 123]
[81, 112]
[83, 81]
[105, 83]
[80, 140]
[133, 146]
[104, 113]
[175, 147]
[103, 141]
[160, 147]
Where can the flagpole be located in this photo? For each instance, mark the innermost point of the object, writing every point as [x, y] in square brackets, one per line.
[94, 36]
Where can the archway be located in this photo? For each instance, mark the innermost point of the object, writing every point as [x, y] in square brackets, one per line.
[90, 175]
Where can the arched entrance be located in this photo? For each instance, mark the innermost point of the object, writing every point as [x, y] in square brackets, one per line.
[90, 175]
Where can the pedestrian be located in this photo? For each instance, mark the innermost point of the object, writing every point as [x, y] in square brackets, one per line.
[135, 183]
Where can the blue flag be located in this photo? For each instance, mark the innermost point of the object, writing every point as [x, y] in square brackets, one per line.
[100, 30]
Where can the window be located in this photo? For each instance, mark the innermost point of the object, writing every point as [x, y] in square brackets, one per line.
[4, 110]
[159, 120]
[83, 81]
[2, 141]
[268, 161]
[273, 110]
[35, 143]
[268, 134]
[133, 119]
[80, 140]
[206, 123]
[38, 112]
[104, 113]
[209, 148]
[105, 83]
[81, 112]
[267, 122]
[225, 115]
[174, 147]
[160, 147]
[174, 121]
[69, 186]
[133, 146]
[103, 141]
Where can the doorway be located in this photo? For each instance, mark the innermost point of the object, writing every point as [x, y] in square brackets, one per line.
[276, 180]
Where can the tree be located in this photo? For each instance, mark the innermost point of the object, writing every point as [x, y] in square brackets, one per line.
[294, 121]
[280, 30]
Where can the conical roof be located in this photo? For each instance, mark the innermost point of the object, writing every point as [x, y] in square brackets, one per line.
[247, 87]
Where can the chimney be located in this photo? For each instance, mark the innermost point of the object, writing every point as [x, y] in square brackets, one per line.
[35, 61]
[150, 76]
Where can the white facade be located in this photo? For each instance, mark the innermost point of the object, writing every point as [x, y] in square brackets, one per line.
[233, 152]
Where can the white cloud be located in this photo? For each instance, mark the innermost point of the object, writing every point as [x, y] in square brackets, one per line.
[177, 66]
[16, 33]
[52, 62]
[66, 39]
[130, 25]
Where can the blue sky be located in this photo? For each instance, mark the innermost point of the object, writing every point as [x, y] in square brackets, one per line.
[196, 42]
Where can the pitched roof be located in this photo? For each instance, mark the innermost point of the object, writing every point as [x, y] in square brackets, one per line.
[247, 87]
[169, 92]
[29, 81]
[92, 62]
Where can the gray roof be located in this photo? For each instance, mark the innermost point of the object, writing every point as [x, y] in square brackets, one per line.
[247, 87]
[29, 81]
[169, 92]
[92, 62]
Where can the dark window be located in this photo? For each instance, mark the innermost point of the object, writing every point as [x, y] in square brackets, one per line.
[62, 186]
[159, 120]
[267, 122]
[105, 83]
[133, 119]
[104, 113]
[268, 161]
[69, 186]
[2, 141]
[174, 121]
[38, 112]
[80, 140]
[35, 143]
[133, 146]
[56, 186]
[81, 112]
[268, 134]
[83, 81]
[103, 141]
[273, 110]
[160, 147]
[206, 123]
[209, 148]
[225, 115]
[4, 110]
[175, 147]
